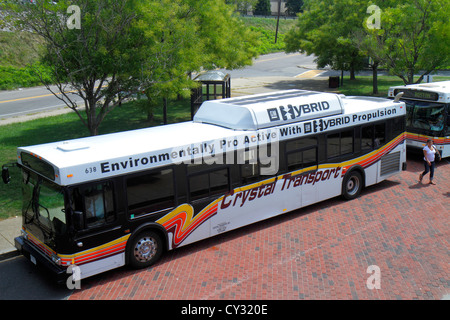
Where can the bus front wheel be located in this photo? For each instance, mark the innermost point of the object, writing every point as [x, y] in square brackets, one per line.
[145, 249]
[352, 185]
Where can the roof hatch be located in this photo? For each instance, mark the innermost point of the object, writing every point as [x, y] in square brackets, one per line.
[72, 146]
[269, 110]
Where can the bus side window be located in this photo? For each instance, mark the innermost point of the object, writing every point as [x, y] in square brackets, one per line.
[373, 136]
[347, 142]
[205, 184]
[340, 144]
[409, 114]
[300, 159]
[150, 192]
[380, 135]
[398, 127]
[97, 203]
[448, 120]
[250, 167]
[333, 145]
[366, 138]
[301, 153]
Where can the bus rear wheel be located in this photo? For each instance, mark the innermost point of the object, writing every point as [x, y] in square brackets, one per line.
[352, 185]
[145, 249]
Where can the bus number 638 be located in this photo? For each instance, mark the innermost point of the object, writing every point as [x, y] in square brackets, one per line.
[90, 170]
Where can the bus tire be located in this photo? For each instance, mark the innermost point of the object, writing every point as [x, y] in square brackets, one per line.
[146, 248]
[352, 185]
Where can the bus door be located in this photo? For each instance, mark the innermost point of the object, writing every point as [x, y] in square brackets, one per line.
[411, 134]
[446, 148]
[95, 220]
[310, 191]
[424, 120]
[205, 184]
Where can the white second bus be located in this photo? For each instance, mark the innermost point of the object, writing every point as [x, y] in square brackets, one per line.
[427, 114]
[124, 198]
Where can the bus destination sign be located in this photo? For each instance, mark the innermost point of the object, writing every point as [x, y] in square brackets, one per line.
[418, 94]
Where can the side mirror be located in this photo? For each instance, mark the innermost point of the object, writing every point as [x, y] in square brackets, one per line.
[5, 175]
[398, 96]
[78, 220]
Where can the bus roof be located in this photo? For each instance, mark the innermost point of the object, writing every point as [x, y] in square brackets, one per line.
[432, 91]
[218, 125]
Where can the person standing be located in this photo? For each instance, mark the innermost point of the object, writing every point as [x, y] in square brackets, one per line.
[429, 152]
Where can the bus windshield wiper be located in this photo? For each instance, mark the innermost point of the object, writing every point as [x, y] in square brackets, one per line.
[34, 203]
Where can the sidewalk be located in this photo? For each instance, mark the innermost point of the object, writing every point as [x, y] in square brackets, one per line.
[255, 85]
[10, 228]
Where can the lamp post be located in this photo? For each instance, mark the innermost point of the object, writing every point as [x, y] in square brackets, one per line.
[278, 20]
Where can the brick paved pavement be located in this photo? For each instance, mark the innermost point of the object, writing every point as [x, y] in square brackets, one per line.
[319, 252]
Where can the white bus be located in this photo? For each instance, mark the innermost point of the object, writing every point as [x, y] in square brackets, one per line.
[124, 198]
[427, 114]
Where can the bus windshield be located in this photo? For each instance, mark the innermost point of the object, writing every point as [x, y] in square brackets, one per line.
[43, 204]
[425, 116]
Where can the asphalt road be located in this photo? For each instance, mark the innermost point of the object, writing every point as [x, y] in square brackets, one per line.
[34, 100]
[276, 64]
[28, 101]
[21, 280]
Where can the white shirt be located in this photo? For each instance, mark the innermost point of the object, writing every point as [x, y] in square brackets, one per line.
[429, 153]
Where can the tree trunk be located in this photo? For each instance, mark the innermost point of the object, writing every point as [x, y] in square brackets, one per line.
[165, 110]
[93, 130]
[92, 117]
[150, 116]
[375, 77]
[352, 73]
[410, 76]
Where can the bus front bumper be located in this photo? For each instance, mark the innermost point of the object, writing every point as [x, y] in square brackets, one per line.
[37, 258]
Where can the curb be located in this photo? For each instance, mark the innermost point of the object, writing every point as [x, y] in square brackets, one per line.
[9, 254]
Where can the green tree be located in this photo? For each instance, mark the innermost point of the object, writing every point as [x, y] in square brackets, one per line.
[190, 36]
[293, 7]
[106, 51]
[263, 8]
[171, 50]
[242, 5]
[325, 29]
[91, 52]
[223, 37]
[413, 38]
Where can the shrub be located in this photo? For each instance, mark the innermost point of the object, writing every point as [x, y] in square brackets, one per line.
[13, 77]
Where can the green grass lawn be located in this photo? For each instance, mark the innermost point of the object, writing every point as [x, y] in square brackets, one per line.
[266, 28]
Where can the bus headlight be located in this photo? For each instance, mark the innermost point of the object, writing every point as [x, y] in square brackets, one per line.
[56, 259]
[24, 234]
